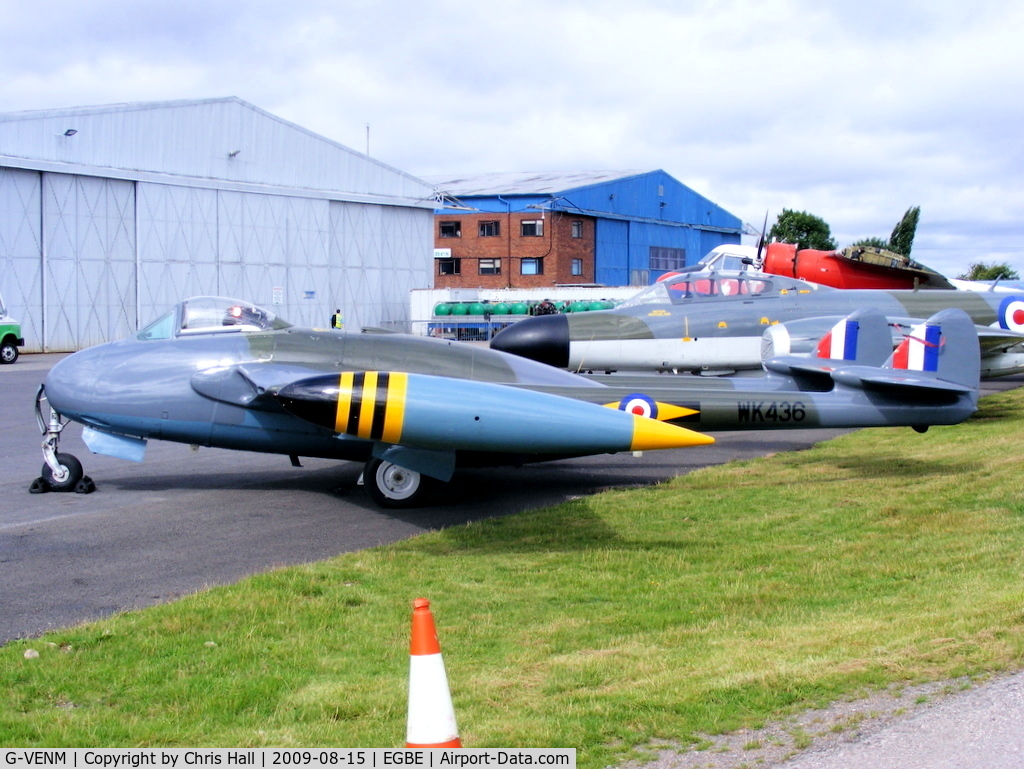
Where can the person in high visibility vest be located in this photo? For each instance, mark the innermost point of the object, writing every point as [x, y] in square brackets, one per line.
[337, 320]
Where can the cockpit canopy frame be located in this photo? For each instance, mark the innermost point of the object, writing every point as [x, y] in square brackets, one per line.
[212, 315]
[686, 287]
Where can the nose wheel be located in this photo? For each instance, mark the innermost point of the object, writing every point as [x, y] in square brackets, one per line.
[61, 471]
[66, 477]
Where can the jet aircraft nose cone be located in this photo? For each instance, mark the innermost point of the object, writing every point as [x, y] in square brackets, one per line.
[71, 383]
[544, 338]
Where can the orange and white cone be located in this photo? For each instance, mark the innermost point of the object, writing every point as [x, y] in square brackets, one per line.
[431, 722]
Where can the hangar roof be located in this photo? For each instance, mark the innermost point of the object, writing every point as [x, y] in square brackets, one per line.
[222, 143]
[525, 182]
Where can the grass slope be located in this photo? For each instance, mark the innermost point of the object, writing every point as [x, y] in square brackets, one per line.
[723, 598]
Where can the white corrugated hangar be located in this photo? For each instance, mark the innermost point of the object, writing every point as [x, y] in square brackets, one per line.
[109, 215]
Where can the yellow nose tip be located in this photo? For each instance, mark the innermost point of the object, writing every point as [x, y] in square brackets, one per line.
[650, 434]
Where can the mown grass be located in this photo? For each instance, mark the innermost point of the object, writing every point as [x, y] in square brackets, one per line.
[724, 598]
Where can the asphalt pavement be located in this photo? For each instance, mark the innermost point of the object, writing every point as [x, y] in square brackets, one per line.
[981, 728]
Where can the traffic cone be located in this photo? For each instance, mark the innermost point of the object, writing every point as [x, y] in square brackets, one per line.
[431, 721]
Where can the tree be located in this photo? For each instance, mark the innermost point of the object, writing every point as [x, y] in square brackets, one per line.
[982, 271]
[902, 238]
[873, 243]
[804, 229]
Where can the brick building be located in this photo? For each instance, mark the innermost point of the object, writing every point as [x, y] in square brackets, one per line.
[582, 228]
[502, 250]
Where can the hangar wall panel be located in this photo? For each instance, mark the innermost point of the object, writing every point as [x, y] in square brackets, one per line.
[409, 265]
[315, 255]
[21, 248]
[177, 246]
[356, 230]
[612, 237]
[89, 260]
[274, 246]
[377, 258]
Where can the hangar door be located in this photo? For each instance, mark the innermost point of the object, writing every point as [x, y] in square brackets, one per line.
[20, 245]
[89, 264]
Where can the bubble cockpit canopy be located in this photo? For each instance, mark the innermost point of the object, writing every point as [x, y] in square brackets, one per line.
[212, 315]
[686, 287]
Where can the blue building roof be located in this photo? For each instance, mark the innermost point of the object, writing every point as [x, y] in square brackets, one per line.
[524, 182]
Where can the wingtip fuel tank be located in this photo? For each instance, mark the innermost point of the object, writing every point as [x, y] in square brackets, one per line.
[428, 412]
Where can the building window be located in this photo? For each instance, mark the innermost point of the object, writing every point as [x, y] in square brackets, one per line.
[531, 228]
[667, 258]
[639, 277]
[532, 266]
[577, 266]
[489, 229]
[449, 266]
[577, 229]
[490, 266]
[451, 229]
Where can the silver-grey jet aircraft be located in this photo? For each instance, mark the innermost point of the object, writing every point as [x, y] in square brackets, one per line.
[219, 372]
[716, 323]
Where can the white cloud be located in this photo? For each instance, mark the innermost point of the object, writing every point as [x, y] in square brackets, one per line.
[854, 112]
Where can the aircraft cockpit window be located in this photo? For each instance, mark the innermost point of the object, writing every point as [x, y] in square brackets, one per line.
[730, 262]
[755, 287]
[656, 294]
[161, 328]
[217, 315]
[686, 289]
[708, 286]
[211, 315]
[700, 286]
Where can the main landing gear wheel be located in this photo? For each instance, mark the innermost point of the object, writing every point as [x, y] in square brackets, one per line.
[392, 486]
[68, 479]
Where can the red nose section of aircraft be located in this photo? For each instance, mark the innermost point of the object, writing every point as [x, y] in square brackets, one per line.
[544, 339]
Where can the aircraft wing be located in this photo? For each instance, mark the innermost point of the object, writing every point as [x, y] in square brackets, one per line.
[895, 381]
[992, 340]
[248, 385]
[815, 370]
[996, 340]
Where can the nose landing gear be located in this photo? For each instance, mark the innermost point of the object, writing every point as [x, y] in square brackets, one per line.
[60, 471]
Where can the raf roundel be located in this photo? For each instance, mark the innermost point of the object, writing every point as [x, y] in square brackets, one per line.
[640, 405]
[1011, 313]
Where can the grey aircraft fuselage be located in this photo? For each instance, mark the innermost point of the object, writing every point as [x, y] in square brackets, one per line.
[189, 389]
[716, 322]
[270, 387]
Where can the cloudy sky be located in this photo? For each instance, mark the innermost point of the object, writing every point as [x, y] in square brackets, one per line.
[853, 110]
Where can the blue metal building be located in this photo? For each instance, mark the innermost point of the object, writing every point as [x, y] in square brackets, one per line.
[647, 223]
